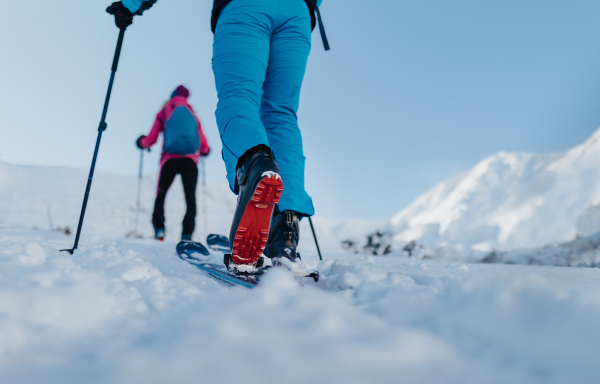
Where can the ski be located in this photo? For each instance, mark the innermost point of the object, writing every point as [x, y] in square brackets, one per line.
[196, 254]
[220, 243]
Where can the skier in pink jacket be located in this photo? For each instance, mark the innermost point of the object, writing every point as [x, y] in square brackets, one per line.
[184, 142]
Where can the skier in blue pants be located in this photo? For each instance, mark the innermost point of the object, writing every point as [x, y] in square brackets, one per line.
[260, 52]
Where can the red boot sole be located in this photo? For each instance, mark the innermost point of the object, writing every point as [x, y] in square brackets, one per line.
[253, 230]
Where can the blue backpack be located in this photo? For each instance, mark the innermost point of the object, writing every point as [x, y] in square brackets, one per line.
[181, 133]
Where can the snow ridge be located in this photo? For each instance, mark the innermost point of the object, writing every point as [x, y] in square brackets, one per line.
[510, 200]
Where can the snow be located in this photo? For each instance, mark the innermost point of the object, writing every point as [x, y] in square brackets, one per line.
[128, 310]
[508, 201]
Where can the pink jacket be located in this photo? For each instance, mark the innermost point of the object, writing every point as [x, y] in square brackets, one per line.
[159, 126]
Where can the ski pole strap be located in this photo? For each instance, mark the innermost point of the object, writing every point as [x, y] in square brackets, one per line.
[321, 27]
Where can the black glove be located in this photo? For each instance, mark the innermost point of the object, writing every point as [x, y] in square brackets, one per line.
[146, 5]
[137, 142]
[123, 17]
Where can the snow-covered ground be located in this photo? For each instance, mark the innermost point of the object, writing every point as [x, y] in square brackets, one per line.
[128, 310]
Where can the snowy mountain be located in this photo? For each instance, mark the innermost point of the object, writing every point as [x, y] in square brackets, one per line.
[510, 201]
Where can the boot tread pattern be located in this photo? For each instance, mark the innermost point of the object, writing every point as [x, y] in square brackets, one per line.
[253, 230]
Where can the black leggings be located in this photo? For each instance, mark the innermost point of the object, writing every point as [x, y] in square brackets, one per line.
[188, 170]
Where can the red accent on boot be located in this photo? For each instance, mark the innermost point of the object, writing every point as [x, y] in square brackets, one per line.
[253, 231]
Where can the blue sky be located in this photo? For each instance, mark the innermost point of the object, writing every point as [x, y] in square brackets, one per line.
[411, 93]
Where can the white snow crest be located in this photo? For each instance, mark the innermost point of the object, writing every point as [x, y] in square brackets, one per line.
[509, 201]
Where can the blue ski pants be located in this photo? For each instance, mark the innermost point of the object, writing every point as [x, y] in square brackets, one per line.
[260, 51]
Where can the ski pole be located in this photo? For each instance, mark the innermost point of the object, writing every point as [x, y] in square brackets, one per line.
[205, 220]
[101, 128]
[139, 193]
[315, 236]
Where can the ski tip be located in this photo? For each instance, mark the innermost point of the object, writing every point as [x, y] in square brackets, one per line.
[189, 247]
[218, 243]
[213, 237]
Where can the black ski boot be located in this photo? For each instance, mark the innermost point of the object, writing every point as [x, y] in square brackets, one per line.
[186, 237]
[283, 242]
[284, 234]
[260, 188]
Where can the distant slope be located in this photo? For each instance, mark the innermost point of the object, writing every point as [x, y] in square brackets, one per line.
[505, 202]
[28, 192]
[580, 252]
[509, 201]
